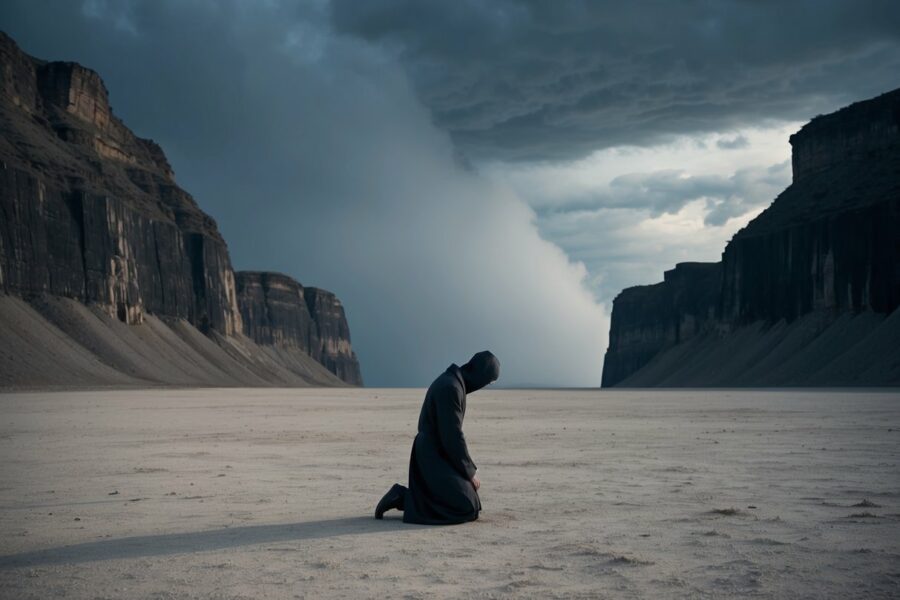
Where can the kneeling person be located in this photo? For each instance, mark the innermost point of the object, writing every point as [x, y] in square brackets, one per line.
[443, 486]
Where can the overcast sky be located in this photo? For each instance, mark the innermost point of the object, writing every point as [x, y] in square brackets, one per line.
[474, 174]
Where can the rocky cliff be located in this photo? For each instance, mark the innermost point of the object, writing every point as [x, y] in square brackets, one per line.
[276, 310]
[650, 318]
[91, 212]
[821, 264]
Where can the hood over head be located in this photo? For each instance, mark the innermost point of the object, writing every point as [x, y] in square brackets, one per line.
[483, 368]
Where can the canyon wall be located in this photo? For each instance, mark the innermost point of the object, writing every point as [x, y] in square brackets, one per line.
[276, 310]
[91, 212]
[825, 254]
[650, 318]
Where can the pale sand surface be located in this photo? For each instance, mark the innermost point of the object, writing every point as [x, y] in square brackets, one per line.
[269, 494]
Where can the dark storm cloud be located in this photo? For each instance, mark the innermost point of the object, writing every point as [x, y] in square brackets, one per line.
[536, 80]
[316, 158]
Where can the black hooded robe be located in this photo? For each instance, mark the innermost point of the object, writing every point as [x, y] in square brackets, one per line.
[440, 468]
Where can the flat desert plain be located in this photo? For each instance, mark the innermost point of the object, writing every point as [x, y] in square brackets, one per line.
[260, 493]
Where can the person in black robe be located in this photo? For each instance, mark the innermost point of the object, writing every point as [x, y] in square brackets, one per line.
[443, 486]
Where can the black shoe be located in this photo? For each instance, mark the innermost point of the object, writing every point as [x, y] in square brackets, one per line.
[393, 499]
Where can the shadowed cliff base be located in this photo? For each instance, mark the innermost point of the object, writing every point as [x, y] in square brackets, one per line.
[807, 294]
[59, 342]
[812, 351]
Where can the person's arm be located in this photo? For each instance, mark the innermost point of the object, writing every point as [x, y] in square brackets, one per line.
[448, 406]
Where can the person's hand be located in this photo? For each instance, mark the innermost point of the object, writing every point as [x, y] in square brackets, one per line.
[476, 483]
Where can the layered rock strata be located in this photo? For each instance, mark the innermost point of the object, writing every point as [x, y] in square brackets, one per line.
[276, 310]
[825, 254]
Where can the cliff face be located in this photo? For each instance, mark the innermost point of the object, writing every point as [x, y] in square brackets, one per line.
[827, 247]
[650, 318]
[273, 310]
[828, 242]
[859, 134]
[91, 212]
[331, 345]
[277, 310]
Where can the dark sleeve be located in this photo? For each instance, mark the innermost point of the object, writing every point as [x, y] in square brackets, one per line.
[448, 406]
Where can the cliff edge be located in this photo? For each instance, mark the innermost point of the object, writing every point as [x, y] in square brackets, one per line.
[806, 294]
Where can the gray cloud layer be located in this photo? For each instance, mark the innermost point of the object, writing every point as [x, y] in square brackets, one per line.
[668, 191]
[538, 80]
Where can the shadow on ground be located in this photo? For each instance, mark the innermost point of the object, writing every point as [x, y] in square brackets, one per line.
[201, 541]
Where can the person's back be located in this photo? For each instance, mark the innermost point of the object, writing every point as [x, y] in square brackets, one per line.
[427, 412]
[443, 486]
